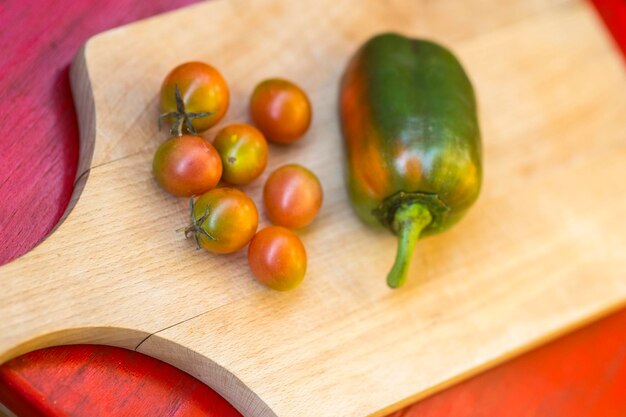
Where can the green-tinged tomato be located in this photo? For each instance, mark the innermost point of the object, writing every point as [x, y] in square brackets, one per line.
[204, 97]
[186, 165]
[222, 220]
[292, 196]
[277, 258]
[281, 110]
[243, 150]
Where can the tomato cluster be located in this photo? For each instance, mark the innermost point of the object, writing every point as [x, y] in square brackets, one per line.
[223, 219]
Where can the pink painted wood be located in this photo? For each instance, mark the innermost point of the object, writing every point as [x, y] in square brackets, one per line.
[38, 127]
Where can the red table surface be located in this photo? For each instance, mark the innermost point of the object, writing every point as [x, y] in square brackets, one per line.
[582, 374]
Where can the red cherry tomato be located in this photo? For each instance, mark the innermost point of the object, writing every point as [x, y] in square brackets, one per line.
[243, 150]
[223, 220]
[186, 166]
[292, 196]
[277, 258]
[202, 89]
[281, 110]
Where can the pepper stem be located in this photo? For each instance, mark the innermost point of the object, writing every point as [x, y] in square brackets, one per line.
[408, 222]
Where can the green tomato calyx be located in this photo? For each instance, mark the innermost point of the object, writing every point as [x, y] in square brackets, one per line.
[195, 228]
[181, 116]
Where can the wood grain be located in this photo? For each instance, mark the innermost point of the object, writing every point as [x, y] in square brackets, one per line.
[522, 267]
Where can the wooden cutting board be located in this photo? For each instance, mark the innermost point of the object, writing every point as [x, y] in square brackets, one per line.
[543, 250]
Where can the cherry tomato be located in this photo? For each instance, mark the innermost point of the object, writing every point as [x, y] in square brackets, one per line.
[281, 110]
[243, 150]
[223, 220]
[292, 196]
[202, 89]
[277, 258]
[186, 166]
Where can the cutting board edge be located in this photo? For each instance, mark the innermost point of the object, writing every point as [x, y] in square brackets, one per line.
[499, 360]
[117, 336]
